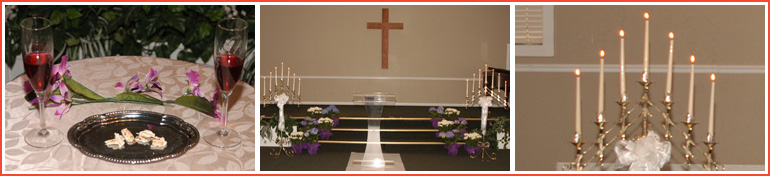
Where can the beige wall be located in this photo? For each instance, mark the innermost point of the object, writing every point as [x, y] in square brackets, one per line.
[436, 42]
[717, 35]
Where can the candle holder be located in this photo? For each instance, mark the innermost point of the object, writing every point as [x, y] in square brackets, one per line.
[688, 156]
[576, 164]
[711, 164]
[667, 117]
[624, 112]
[486, 96]
[281, 92]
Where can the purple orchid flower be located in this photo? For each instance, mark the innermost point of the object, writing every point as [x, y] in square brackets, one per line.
[314, 130]
[194, 81]
[440, 110]
[214, 99]
[64, 100]
[57, 72]
[151, 83]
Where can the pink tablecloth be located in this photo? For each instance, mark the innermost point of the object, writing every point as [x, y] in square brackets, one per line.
[101, 74]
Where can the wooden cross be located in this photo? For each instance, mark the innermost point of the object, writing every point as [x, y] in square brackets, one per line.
[385, 25]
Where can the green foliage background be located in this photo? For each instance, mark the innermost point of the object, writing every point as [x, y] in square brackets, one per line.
[102, 30]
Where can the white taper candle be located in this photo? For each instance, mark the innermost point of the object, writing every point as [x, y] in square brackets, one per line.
[711, 110]
[670, 71]
[288, 76]
[299, 87]
[466, 88]
[578, 130]
[622, 66]
[600, 110]
[281, 71]
[691, 98]
[264, 91]
[646, 72]
[473, 85]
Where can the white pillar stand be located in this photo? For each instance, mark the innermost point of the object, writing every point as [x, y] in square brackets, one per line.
[281, 100]
[484, 102]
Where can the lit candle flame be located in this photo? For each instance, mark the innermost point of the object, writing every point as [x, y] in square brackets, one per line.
[622, 34]
[671, 35]
[646, 16]
[692, 59]
[601, 53]
[577, 72]
[713, 77]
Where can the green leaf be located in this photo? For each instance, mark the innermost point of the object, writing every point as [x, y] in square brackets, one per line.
[175, 20]
[176, 8]
[197, 103]
[143, 98]
[72, 41]
[109, 15]
[73, 13]
[146, 8]
[216, 14]
[163, 51]
[77, 88]
[204, 30]
[118, 37]
[56, 17]
[207, 52]
[75, 22]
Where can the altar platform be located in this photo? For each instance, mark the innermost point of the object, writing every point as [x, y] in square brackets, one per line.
[405, 130]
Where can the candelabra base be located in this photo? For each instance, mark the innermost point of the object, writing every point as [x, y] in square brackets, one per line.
[281, 149]
[486, 153]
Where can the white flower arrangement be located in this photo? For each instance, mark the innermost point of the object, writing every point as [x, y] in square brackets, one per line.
[472, 136]
[315, 109]
[297, 135]
[451, 111]
[325, 120]
[444, 123]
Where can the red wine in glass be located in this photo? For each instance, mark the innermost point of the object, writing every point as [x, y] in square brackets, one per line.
[228, 68]
[38, 69]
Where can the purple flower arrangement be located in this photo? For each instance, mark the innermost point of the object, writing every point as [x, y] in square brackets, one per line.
[452, 130]
[317, 125]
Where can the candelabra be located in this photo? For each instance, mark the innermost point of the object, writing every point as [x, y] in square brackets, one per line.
[642, 142]
[281, 91]
[485, 96]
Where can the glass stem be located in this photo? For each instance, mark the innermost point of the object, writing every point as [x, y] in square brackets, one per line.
[223, 121]
[41, 95]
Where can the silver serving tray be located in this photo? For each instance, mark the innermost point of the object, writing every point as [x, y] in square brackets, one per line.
[89, 135]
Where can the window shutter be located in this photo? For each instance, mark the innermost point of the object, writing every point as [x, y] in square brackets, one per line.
[529, 25]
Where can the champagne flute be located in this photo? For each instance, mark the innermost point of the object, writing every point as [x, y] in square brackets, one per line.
[229, 50]
[37, 49]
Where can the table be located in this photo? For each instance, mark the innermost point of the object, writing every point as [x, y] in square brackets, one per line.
[100, 75]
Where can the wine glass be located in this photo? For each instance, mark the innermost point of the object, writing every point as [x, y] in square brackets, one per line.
[229, 50]
[37, 49]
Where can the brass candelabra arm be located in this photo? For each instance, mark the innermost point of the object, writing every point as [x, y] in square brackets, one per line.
[667, 122]
[600, 143]
[687, 146]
